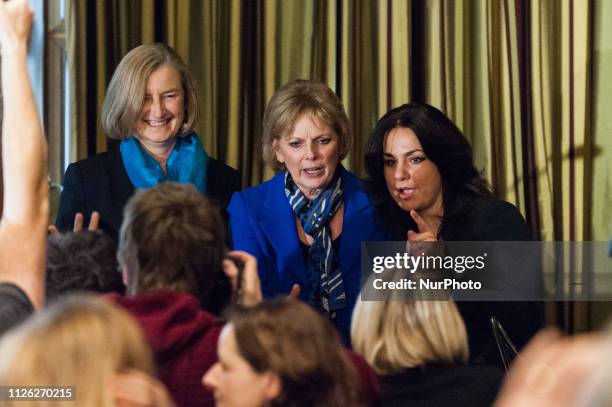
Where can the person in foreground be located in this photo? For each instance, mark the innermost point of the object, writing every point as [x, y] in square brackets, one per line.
[24, 161]
[425, 187]
[87, 344]
[305, 226]
[561, 371]
[171, 252]
[419, 348]
[281, 353]
[151, 106]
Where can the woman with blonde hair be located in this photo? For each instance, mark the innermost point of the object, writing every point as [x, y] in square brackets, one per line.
[305, 225]
[87, 347]
[151, 107]
[419, 348]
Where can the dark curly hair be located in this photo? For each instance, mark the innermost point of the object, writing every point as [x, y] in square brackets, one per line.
[83, 261]
[444, 145]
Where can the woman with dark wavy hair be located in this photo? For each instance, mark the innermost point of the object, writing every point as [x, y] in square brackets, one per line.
[417, 142]
[425, 187]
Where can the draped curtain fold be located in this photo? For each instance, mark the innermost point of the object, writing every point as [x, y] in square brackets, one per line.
[515, 75]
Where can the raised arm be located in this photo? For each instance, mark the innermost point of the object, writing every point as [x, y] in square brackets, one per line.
[24, 159]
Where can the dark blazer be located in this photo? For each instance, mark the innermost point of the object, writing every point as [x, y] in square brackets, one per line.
[492, 220]
[100, 183]
[442, 385]
[263, 224]
[485, 219]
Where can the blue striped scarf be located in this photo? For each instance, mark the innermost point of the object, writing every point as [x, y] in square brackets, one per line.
[324, 277]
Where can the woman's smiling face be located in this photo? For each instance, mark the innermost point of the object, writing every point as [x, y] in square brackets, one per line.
[163, 111]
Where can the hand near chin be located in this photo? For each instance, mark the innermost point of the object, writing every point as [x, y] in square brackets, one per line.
[416, 241]
[425, 234]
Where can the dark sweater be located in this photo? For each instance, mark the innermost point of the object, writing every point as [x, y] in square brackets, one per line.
[183, 338]
[442, 385]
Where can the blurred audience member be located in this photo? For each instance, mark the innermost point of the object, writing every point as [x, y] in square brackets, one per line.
[282, 353]
[82, 342]
[84, 261]
[419, 348]
[24, 164]
[556, 371]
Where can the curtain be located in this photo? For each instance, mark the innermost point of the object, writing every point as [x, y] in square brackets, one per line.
[526, 81]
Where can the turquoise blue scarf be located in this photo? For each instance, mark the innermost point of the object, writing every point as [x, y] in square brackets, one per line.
[187, 163]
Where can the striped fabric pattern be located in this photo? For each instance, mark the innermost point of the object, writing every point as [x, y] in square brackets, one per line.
[324, 277]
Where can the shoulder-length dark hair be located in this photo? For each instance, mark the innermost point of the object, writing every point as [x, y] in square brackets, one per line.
[444, 145]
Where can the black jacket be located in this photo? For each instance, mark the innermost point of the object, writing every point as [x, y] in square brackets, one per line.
[491, 220]
[100, 183]
[442, 385]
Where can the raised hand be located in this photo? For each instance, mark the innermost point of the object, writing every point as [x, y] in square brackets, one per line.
[16, 19]
[26, 190]
[94, 222]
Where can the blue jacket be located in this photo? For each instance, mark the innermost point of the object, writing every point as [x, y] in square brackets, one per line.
[263, 224]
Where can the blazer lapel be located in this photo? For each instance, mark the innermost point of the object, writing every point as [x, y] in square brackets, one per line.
[357, 224]
[121, 189]
[278, 225]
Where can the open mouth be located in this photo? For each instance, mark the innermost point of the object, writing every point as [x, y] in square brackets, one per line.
[157, 123]
[405, 193]
[314, 171]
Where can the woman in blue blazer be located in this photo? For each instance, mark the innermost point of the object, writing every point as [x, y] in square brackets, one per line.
[306, 224]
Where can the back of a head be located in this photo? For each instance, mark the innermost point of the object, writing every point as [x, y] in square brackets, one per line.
[79, 341]
[290, 339]
[400, 332]
[84, 261]
[172, 238]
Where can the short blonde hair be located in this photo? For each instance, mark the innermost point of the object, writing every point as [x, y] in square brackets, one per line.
[398, 333]
[80, 341]
[126, 91]
[290, 103]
